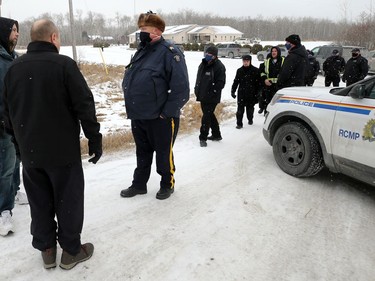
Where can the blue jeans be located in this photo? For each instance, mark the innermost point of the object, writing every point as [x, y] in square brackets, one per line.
[7, 165]
[16, 176]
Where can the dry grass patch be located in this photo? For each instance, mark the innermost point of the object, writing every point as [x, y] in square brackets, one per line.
[190, 119]
[190, 122]
[96, 73]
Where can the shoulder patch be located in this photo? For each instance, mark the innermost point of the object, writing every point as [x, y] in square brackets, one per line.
[177, 58]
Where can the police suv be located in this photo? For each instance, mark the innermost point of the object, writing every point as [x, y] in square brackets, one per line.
[313, 127]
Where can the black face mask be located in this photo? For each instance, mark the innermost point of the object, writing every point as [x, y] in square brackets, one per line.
[144, 37]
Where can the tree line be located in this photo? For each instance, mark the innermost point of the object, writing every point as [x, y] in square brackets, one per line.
[358, 33]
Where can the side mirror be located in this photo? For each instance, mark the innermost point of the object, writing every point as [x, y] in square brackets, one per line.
[357, 92]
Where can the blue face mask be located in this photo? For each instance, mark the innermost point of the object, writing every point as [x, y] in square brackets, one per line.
[288, 45]
[208, 57]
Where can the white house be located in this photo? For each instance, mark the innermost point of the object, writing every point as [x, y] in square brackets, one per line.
[213, 34]
[192, 33]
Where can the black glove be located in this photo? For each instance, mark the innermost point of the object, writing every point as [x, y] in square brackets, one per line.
[96, 150]
[96, 158]
[233, 95]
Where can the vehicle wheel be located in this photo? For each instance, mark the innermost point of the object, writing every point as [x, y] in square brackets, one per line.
[231, 55]
[260, 58]
[296, 150]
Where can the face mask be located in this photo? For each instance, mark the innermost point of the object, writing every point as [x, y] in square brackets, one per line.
[144, 37]
[288, 46]
[354, 55]
[208, 57]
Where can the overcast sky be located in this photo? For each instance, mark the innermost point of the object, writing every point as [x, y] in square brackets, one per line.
[327, 9]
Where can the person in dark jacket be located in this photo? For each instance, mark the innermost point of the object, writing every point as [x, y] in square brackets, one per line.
[46, 101]
[312, 70]
[210, 81]
[294, 68]
[269, 72]
[156, 87]
[356, 68]
[8, 163]
[247, 80]
[332, 67]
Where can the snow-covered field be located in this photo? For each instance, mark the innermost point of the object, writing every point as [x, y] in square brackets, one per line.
[234, 215]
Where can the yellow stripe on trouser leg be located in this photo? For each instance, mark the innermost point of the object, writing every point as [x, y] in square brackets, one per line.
[171, 163]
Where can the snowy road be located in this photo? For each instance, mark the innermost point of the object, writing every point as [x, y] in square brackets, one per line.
[234, 216]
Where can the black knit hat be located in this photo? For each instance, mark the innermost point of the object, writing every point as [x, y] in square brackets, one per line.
[356, 50]
[246, 57]
[294, 39]
[212, 50]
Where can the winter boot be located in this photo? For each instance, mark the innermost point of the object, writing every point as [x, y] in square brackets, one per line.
[68, 261]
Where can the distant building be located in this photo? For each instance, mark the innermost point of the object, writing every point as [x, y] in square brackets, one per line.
[213, 34]
[192, 33]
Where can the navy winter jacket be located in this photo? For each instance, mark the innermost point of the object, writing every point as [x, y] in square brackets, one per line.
[210, 81]
[294, 68]
[156, 82]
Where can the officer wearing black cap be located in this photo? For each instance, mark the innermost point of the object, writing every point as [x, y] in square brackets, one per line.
[209, 83]
[356, 68]
[248, 82]
[294, 68]
[332, 67]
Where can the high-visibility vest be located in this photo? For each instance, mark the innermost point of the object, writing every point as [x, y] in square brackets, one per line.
[267, 69]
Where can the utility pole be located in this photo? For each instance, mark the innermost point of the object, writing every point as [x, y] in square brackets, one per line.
[72, 30]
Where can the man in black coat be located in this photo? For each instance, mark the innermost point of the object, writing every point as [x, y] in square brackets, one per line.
[294, 68]
[247, 80]
[332, 67]
[210, 81]
[312, 69]
[356, 68]
[46, 100]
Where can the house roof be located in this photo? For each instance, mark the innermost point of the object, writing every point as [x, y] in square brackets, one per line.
[218, 29]
[175, 29]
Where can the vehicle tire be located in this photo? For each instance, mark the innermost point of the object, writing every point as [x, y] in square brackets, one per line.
[231, 55]
[260, 58]
[297, 151]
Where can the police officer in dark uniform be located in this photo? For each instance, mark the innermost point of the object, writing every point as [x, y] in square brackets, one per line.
[295, 64]
[356, 68]
[332, 67]
[156, 87]
[210, 81]
[247, 80]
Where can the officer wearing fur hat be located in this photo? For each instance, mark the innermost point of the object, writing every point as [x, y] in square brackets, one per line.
[209, 83]
[248, 81]
[356, 68]
[294, 68]
[156, 87]
[332, 67]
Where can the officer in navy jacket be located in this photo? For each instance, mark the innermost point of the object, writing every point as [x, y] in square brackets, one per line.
[47, 100]
[356, 68]
[209, 83]
[294, 68]
[248, 81]
[156, 87]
